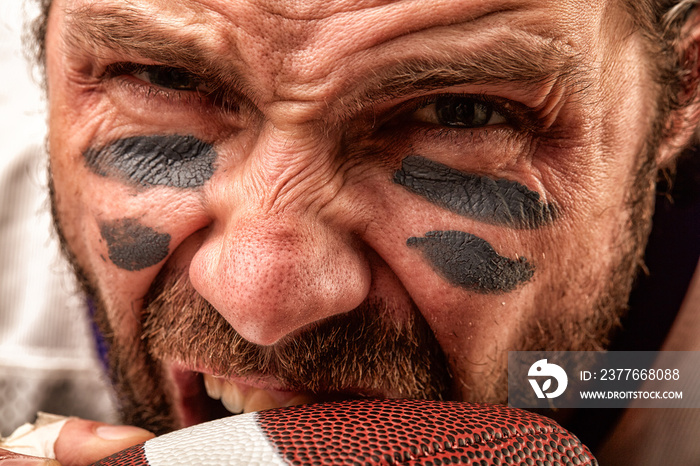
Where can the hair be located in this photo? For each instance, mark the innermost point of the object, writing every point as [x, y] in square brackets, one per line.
[661, 23]
[35, 34]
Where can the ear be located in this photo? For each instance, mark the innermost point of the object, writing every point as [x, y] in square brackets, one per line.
[683, 123]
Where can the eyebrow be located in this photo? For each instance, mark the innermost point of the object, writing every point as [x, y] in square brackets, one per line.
[130, 31]
[518, 57]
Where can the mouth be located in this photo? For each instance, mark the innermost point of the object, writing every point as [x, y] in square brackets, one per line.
[200, 396]
[239, 398]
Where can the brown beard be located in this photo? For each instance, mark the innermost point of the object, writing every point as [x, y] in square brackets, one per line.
[360, 353]
[593, 330]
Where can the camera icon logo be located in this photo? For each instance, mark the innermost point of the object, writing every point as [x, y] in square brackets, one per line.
[541, 369]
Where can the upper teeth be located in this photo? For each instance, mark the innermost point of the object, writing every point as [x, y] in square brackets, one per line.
[255, 399]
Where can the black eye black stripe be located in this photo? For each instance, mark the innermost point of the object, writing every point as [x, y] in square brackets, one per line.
[168, 160]
[500, 202]
[133, 246]
[471, 263]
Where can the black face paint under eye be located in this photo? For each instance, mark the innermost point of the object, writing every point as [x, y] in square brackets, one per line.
[471, 263]
[168, 160]
[500, 202]
[133, 246]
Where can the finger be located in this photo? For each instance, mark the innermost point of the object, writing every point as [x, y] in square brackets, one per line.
[8, 458]
[83, 442]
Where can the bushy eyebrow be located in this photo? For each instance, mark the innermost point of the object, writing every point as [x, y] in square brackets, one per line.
[130, 31]
[517, 57]
[521, 58]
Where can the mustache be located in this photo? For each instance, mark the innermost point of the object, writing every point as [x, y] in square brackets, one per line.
[364, 352]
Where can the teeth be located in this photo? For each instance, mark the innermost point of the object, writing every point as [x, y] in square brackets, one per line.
[232, 398]
[213, 386]
[236, 402]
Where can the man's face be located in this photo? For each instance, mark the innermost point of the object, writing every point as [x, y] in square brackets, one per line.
[310, 200]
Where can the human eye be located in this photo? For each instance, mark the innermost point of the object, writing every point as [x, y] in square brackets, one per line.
[461, 130]
[161, 80]
[167, 94]
[169, 78]
[456, 111]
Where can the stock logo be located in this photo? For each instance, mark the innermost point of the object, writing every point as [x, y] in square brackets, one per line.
[541, 369]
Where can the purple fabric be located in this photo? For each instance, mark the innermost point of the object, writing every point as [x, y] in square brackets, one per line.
[100, 342]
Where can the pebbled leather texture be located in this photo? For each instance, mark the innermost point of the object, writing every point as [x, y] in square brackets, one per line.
[368, 432]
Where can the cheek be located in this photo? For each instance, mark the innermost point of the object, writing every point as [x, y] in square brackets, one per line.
[121, 236]
[456, 254]
[469, 279]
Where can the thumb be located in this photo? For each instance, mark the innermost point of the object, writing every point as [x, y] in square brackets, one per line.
[83, 442]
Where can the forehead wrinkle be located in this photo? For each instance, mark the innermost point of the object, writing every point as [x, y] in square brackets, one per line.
[309, 10]
[406, 42]
[349, 33]
[306, 51]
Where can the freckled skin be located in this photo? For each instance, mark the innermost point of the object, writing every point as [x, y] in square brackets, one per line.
[133, 246]
[500, 202]
[471, 263]
[168, 160]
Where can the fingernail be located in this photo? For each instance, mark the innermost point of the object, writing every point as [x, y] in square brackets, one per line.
[120, 432]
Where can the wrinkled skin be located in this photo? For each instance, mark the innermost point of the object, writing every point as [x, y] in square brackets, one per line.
[301, 218]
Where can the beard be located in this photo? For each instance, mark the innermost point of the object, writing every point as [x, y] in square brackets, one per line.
[360, 353]
[592, 331]
[363, 352]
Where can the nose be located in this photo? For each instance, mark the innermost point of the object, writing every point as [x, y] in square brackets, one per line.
[280, 253]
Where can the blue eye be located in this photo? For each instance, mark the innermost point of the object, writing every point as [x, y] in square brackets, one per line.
[459, 112]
